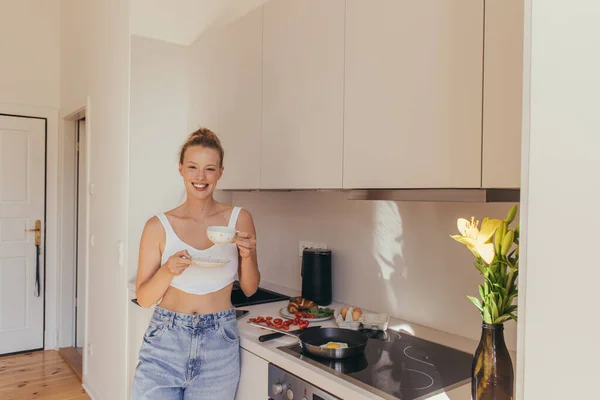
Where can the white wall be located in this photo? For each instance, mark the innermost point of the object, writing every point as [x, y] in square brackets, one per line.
[159, 110]
[159, 105]
[108, 88]
[73, 85]
[394, 257]
[29, 47]
[104, 27]
[187, 19]
[30, 85]
[560, 344]
[73, 96]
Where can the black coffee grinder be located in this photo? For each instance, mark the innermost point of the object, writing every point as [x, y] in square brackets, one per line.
[317, 276]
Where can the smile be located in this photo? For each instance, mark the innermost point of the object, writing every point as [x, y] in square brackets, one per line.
[200, 186]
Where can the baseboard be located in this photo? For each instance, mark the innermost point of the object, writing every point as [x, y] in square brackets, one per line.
[74, 359]
[93, 395]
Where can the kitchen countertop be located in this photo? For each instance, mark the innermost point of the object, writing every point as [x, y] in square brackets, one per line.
[269, 350]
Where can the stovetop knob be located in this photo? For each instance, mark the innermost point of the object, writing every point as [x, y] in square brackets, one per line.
[290, 394]
[278, 388]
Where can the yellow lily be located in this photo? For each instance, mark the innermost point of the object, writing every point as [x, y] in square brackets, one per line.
[478, 241]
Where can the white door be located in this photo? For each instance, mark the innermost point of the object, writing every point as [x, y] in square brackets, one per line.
[22, 197]
[82, 168]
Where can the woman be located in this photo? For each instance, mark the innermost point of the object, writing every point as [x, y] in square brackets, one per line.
[191, 347]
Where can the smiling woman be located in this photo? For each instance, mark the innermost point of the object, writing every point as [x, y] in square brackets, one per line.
[191, 347]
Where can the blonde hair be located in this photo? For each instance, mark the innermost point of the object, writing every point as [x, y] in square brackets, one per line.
[202, 137]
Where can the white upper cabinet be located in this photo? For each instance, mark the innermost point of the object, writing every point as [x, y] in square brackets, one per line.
[303, 94]
[502, 93]
[225, 95]
[413, 93]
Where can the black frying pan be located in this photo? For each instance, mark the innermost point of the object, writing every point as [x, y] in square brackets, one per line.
[312, 339]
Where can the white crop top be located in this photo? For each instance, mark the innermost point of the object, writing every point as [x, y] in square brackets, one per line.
[196, 279]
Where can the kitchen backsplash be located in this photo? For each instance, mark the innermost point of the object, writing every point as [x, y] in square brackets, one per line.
[394, 257]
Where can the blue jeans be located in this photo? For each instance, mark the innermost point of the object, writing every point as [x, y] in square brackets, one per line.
[187, 356]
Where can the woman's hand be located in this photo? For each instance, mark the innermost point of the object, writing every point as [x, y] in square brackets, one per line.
[178, 262]
[246, 243]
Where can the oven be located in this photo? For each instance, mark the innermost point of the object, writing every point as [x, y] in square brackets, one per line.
[285, 386]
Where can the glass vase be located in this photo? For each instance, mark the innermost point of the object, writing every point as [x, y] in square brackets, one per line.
[492, 372]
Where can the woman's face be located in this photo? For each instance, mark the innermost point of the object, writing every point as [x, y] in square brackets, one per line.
[201, 171]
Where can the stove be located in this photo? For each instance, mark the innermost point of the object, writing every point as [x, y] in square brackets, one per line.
[398, 366]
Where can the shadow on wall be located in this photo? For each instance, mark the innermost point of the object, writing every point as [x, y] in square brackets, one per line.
[423, 276]
[387, 246]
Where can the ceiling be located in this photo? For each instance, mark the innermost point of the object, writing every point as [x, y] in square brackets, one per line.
[183, 21]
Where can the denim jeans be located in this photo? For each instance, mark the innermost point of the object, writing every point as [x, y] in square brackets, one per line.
[187, 356]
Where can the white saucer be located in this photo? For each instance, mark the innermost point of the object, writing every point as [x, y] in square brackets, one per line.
[210, 261]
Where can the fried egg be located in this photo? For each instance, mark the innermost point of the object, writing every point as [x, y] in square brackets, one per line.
[334, 345]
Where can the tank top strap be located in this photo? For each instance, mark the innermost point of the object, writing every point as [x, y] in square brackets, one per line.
[166, 225]
[234, 217]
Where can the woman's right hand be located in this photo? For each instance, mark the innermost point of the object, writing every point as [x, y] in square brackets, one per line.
[178, 262]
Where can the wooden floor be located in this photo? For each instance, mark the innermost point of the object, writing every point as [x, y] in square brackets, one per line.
[38, 375]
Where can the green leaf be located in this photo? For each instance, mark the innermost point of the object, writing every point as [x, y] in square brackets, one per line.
[511, 308]
[320, 312]
[503, 292]
[494, 309]
[487, 318]
[501, 319]
[480, 267]
[476, 302]
[481, 292]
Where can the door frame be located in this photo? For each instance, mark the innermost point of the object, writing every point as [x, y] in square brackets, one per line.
[68, 236]
[51, 232]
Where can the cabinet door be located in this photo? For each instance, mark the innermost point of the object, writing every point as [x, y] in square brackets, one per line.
[502, 93]
[413, 94]
[303, 84]
[225, 95]
[254, 377]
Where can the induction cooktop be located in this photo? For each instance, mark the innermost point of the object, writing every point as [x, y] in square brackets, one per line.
[396, 365]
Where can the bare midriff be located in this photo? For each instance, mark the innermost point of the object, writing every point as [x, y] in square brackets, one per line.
[186, 303]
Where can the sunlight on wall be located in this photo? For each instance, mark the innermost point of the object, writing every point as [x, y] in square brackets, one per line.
[387, 244]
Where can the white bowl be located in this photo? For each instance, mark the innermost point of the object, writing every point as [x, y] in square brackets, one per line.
[220, 234]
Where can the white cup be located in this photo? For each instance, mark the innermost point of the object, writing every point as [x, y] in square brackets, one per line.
[220, 234]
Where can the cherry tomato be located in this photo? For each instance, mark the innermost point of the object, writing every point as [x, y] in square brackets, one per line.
[269, 318]
[252, 319]
[286, 327]
[298, 314]
[277, 321]
[269, 323]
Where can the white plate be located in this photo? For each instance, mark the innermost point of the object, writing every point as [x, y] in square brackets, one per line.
[286, 314]
[210, 261]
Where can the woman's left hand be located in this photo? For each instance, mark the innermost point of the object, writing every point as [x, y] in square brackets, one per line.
[246, 243]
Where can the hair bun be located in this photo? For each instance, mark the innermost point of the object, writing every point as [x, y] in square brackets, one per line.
[202, 132]
[202, 137]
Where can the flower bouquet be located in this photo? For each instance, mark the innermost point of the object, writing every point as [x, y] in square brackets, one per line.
[496, 251]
